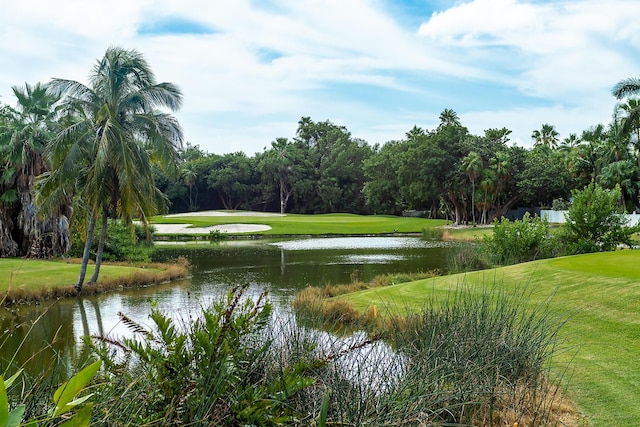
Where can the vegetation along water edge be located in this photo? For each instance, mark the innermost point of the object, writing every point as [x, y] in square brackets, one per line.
[598, 292]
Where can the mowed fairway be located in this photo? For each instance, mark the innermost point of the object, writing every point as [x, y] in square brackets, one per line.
[322, 224]
[601, 292]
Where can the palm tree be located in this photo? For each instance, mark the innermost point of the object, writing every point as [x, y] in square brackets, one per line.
[570, 142]
[488, 185]
[448, 117]
[116, 130]
[189, 176]
[415, 133]
[24, 134]
[622, 173]
[626, 87]
[472, 167]
[277, 167]
[630, 116]
[547, 136]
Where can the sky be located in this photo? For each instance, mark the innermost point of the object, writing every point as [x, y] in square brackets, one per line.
[249, 70]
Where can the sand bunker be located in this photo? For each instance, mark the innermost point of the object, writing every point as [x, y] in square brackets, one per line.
[223, 228]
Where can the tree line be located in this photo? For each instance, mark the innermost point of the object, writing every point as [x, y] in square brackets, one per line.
[73, 155]
[442, 172]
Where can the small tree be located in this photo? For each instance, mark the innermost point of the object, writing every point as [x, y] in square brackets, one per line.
[595, 222]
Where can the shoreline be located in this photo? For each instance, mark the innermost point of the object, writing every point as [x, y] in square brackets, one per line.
[141, 275]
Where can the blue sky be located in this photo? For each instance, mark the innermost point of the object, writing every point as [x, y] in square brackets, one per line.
[250, 69]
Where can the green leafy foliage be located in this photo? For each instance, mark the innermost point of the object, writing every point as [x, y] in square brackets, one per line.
[120, 245]
[65, 401]
[518, 241]
[595, 223]
[208, 369]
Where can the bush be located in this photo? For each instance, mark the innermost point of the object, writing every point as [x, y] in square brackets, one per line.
[120, 245]
[595, 222]
[518, 241]
[467, 256]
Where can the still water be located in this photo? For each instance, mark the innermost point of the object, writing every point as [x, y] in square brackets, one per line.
[280, 267]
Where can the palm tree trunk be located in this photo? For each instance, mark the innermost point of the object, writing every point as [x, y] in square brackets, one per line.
[473, 201]
[103, 237]
[85, 254]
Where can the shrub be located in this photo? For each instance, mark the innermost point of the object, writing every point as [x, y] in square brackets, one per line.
[518, 241]
[595, 222]
[121, 244]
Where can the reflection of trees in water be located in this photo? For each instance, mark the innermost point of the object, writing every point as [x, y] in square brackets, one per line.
[86, 331]
[37, 338]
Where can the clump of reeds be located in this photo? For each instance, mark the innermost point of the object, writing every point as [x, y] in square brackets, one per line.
[317, 303]
[467, 256]
[480, 357]
[314, 302]
[433, 233]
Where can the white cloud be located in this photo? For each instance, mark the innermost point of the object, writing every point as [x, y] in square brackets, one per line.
[268, 63]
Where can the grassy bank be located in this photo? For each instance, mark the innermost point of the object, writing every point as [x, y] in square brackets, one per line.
[601, 292]
[24, 279]
[324, 224]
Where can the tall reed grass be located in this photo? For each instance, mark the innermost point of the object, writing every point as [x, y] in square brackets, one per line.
[476, 358]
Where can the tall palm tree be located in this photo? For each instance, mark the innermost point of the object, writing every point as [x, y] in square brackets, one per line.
[622, 173]
[472, 166]
[630, 116]
[117, 128]
[624, 89]
[488, 185]
[448, 117]
[189, 176]
[547, 136]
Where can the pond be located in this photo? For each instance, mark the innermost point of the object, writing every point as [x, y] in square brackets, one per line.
[281, 267]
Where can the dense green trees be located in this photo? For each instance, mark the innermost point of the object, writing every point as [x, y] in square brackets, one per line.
[445, 171]
[25, 132]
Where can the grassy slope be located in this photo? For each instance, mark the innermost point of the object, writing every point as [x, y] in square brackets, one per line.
[601, 291]
[294, 224]
[34, 275]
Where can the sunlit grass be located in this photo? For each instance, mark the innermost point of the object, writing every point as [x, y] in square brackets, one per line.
[322, 224]
[35, 279]
[601, 293]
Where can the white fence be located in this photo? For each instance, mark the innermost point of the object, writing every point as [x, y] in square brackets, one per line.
[558, 217]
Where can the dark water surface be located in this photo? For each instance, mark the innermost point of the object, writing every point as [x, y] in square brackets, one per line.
[281, 267]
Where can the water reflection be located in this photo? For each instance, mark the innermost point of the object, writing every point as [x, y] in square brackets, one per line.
[282, 268]
[337, 243]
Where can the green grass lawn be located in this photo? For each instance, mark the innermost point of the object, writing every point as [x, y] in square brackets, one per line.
[601, 292]
[25, 276]
[322, 224]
